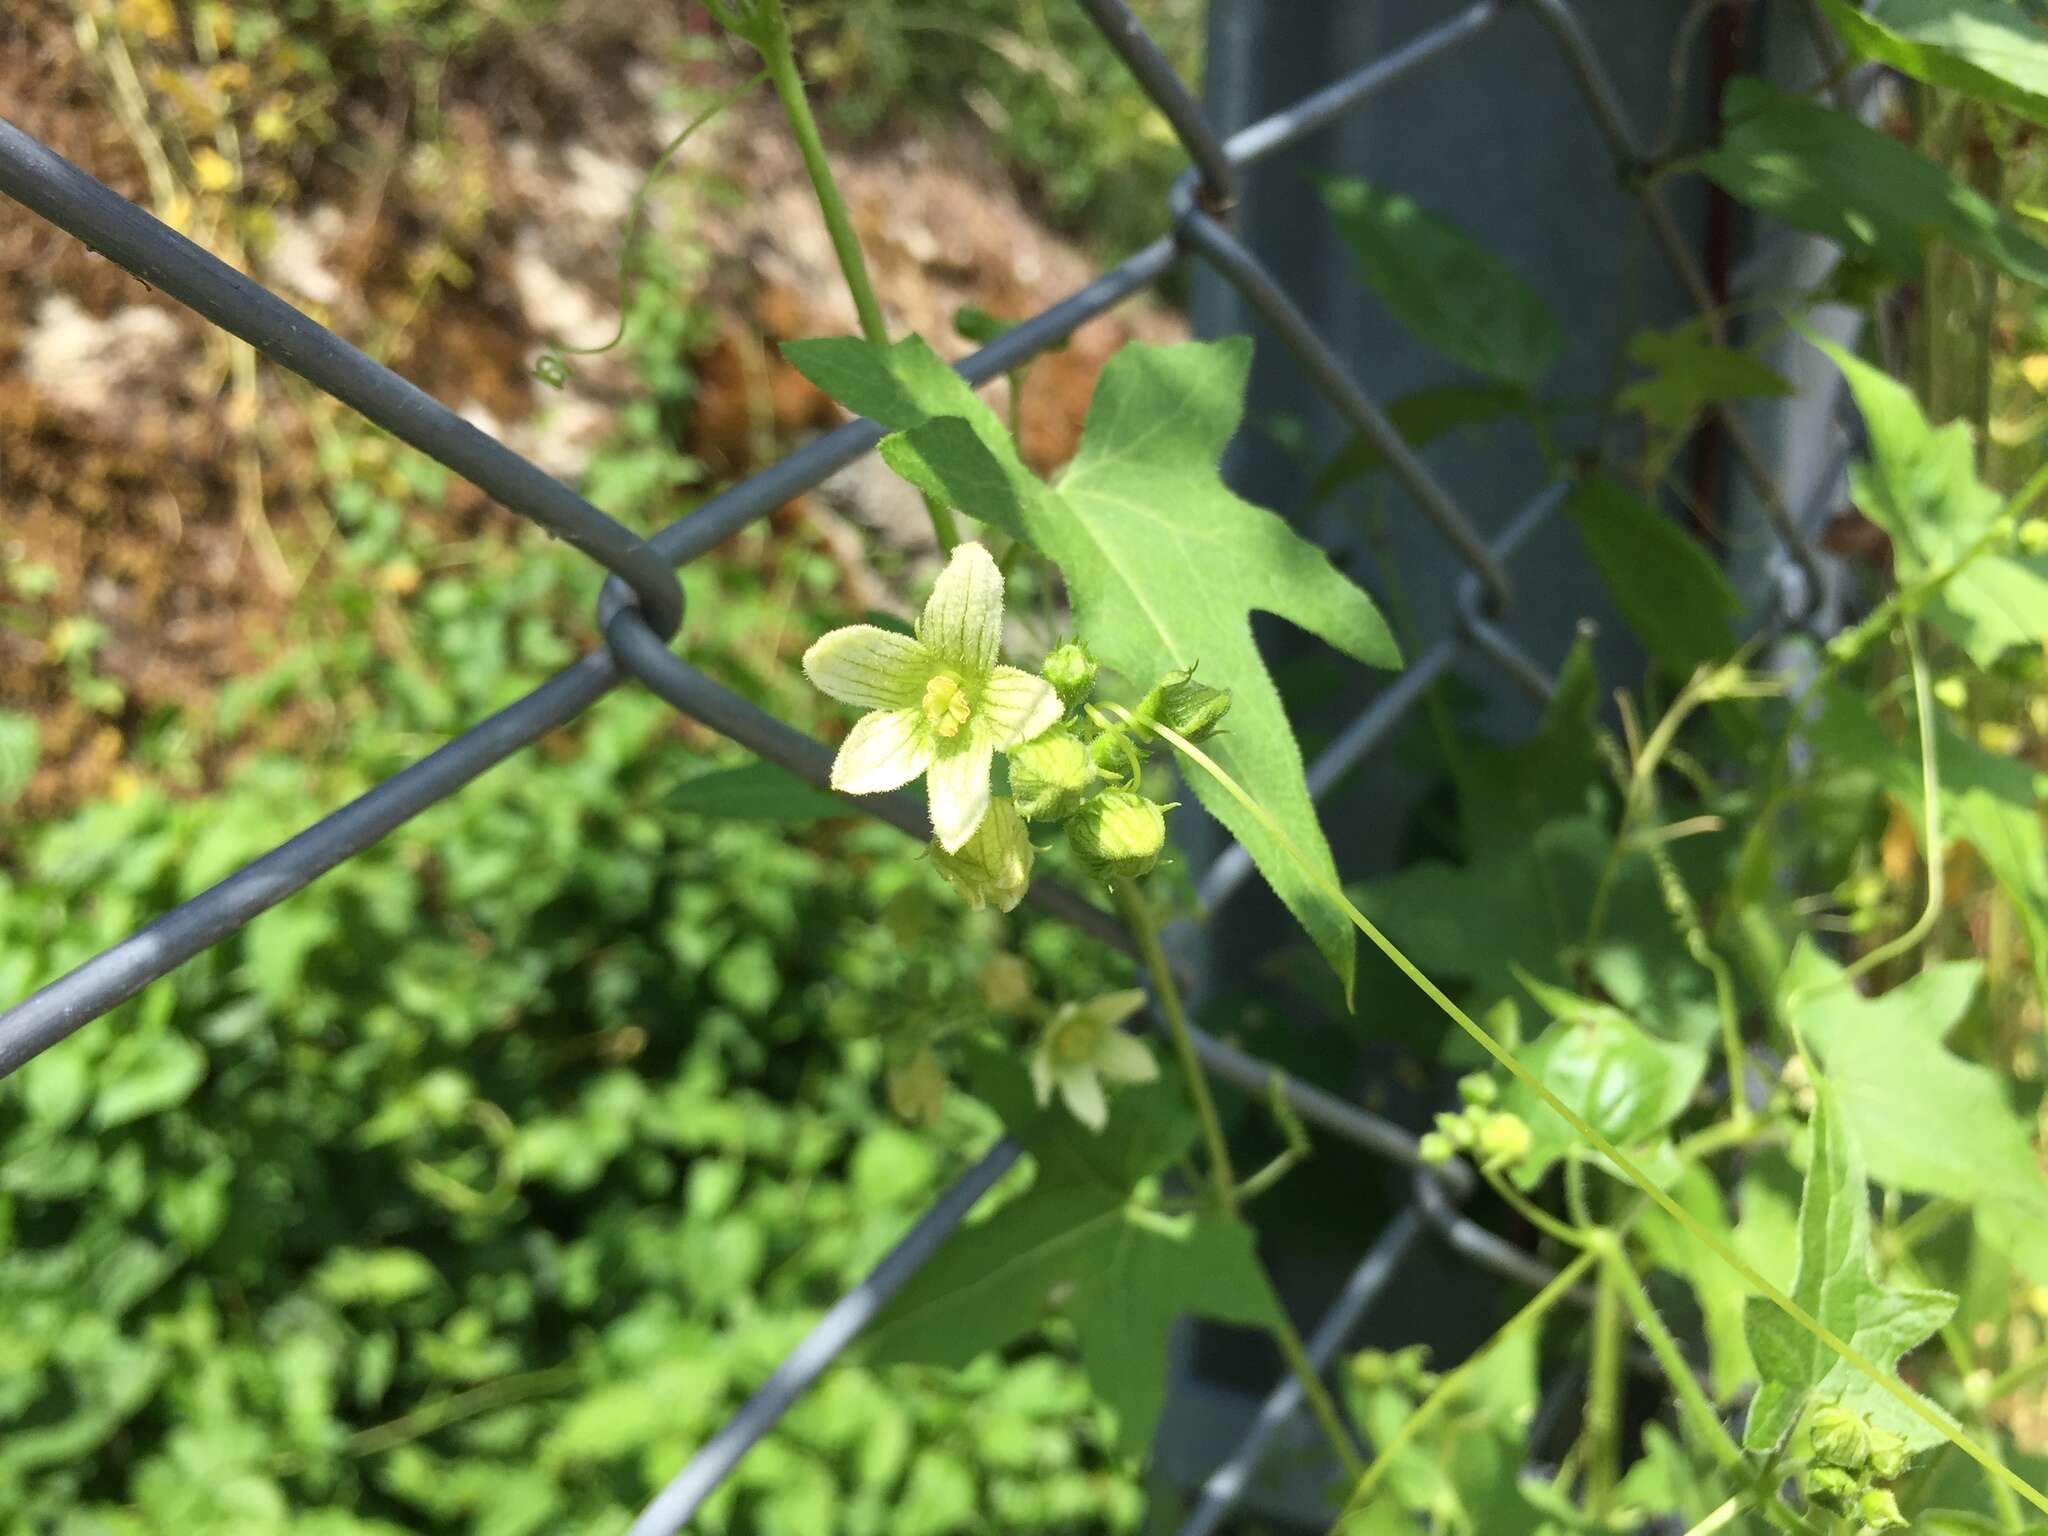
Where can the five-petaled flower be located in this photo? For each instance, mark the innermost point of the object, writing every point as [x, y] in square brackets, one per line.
[1081, 1046]
[939, 703]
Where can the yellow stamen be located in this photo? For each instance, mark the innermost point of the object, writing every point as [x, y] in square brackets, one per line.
[946, 704]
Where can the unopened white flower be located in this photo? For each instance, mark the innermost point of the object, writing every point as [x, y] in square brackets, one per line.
[1082, 1046]
[939, 703]
[994, 865]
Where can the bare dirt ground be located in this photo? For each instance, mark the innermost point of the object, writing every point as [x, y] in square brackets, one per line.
[154, 484]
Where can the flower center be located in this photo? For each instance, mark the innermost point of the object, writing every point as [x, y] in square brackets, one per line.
[946, 705]
[1075, 1041]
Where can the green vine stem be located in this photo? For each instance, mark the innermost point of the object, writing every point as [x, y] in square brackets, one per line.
[766, 26]
[772, 38]
[1691, 1397]
[1602, 1425]
[1144, 928]
[550, 368]
[1930, 794]
[1693, 1401]
[1724, 1512]
[2020, 1373]
[1433, 1406]
[1629, 1169]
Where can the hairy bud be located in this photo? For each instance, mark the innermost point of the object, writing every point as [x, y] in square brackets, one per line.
[1181, 704]
[1833, 1488]
[1879, 1511]
[1503, 1140]
[1071, 671]
[1118, 835]
[1050, 775]
[1840, 1438]
[1478, 1088]
[1888, 1455]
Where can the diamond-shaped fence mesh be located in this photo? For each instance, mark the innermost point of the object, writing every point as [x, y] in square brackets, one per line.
[642, 603]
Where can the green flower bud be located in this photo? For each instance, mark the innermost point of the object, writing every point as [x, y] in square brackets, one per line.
[1888, 1455]
[1050, 776]
[1411, 1368]
[1833, 1488]
[1478, 1088]
[1879, 1511]
[1840, 1438]
[1372, 1368]
[1071, 671]
[1113, 752]
[1435, 1149]
[1458, 1130]
[994, 865]
[1118, 835]
[1184, 705]
[1503, 1140]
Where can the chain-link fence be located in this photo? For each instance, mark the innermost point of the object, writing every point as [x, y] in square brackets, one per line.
[641, 607]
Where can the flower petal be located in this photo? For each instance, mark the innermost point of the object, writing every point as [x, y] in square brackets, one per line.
[1081, 1087]
[963, 618]
[958, 785]
[884, 750]
[1123, 1058]
[1016, 706]
[869, 668]
[1041, 1077]
[1112, 1008]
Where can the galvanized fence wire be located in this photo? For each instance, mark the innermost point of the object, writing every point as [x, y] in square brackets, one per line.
[641, 607]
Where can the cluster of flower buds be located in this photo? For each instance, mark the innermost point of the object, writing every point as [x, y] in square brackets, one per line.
[1496, 1138]
[1087, 771]
[1851, 1456]
[1406, 1369]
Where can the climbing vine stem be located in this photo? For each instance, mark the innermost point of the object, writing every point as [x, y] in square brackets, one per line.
[1627, 1166]
[1144, 927]
[766, 26]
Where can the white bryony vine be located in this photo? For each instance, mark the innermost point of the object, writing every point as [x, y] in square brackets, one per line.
[939, 702]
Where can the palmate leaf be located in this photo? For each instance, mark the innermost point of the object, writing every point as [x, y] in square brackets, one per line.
[1688, 373]
[1984, 48]
[1164, 564]
[1921, 488]
[1834, 1284]
[1075, 1243]
[1929, 1121]
[1826, 171]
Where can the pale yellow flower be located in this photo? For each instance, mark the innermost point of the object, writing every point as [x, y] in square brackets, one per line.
[939, 702]
[1082, 1047]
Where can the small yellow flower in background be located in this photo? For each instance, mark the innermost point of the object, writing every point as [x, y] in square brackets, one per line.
[939, 703]
[1082, 1046]
[211, 169]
